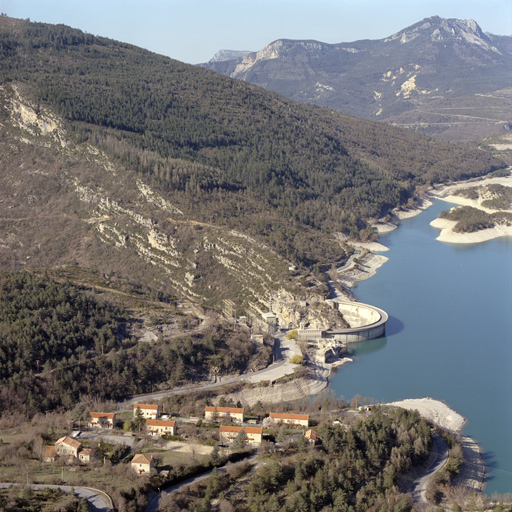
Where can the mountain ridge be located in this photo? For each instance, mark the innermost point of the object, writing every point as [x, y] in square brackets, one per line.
[379, 79]
[189, 182]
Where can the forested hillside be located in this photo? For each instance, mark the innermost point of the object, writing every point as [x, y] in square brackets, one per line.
[225, 151]
[59, 345]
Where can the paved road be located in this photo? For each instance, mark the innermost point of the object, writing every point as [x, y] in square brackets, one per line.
[418, 488]
[98, 502]
[283, 351]
[153, 505]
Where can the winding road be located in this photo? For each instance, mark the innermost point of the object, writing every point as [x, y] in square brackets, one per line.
[97, 500]
[418, 488]
[153, 505]
[283, 350]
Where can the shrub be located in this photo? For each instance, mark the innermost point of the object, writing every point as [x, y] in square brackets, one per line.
[297, 359]
[293, 335]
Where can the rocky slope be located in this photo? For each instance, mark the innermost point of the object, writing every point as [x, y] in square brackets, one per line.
[188, 182]
[63, 204]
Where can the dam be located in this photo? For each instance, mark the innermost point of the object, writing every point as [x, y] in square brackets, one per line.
[366, 322]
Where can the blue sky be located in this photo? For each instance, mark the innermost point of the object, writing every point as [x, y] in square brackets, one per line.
[194, 30]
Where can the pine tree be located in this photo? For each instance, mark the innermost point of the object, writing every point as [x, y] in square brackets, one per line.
[240, 441]
[139, 421]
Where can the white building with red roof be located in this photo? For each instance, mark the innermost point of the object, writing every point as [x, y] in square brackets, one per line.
[228, 433]
[284, 418]
[149, 411]
[160, 427]
[102, 419]
[223, 413]
[142, 464]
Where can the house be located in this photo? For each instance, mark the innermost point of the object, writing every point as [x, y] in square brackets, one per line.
[160, 427]
[102, 420]
[85, 455]
[68, 446]
[216, 413]
[296, 420]
[49, 454]
[228, 433]
[312, 436]
[150, 412]
[142, 463]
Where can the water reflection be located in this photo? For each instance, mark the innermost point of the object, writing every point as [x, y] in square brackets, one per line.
[366, 347]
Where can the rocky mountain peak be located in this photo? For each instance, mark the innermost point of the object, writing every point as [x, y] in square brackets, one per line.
[223, 55]
[441, 30]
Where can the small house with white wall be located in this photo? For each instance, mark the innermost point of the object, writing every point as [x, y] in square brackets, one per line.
[149, 411]
[223, 413]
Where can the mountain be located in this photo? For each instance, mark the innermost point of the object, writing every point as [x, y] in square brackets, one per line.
[170, 177]
[432, 60]
[223, 55]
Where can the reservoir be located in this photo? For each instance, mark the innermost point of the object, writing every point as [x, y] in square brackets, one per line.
[449, 335]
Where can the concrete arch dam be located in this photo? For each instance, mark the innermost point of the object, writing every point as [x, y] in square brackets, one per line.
[367, 322]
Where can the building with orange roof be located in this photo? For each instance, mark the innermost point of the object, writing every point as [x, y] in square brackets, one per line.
[223, 413]
[49, 453]
[102, 420]
[228, 433]
[149, 411]
[67, 446]
[312, 436]
[297, 420]
[85, 455]
[142, 464]
[160, 427]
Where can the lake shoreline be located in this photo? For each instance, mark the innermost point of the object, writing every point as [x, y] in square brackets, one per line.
[447, 193]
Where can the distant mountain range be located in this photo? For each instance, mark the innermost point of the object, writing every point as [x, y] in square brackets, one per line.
[410, 78]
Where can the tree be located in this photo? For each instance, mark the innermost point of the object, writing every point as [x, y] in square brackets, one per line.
[282, 435]
[215, 458]
[139, 421]
[80, 413]
[240, 441]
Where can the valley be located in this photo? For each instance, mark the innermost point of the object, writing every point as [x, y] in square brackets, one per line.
[165, 228]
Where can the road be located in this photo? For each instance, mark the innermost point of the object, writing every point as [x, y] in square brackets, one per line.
[98, 502]
[153, 505]
[284, 349]
[418, 488]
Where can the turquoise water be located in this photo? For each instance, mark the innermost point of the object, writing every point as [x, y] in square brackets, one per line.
[449, 336]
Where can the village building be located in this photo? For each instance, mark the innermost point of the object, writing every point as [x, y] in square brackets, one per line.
[228, 433]
[296, 420]
[68, 449]
[49, 454]
[160, 427]
[68, 446]
[142, 464]
[223, 413]
[312, 436]
[150, 412]
[102, 420]
[85, 455]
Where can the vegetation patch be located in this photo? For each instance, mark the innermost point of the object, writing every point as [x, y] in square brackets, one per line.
[470, 219]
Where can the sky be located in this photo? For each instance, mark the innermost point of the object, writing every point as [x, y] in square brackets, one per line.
[193, 31]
